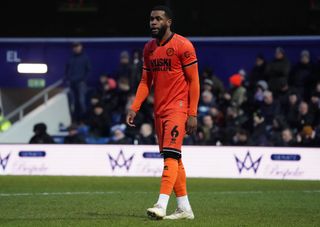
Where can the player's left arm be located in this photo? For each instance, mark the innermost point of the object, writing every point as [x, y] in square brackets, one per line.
[190, 67]
[192, 76]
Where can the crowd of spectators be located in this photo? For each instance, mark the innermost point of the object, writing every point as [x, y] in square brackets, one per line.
[276, 103]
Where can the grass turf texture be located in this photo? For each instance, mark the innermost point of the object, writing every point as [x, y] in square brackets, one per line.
[120, 201]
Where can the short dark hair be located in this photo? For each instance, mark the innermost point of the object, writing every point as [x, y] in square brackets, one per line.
[166, 9]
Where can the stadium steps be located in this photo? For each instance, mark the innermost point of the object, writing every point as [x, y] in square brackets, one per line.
[53, 112]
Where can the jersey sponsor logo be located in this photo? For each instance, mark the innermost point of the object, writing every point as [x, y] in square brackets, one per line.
[161, 64]
[170, 51]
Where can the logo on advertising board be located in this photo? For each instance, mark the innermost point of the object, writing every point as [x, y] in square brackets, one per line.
[32, 154]
[152, 155]
[286, 157]
[4, 161]
[285, 166]
[248, 163]
[120, 161]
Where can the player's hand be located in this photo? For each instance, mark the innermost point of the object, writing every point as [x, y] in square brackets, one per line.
[130, 118]
[191, 125]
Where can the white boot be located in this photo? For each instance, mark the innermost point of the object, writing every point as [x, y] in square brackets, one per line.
[156, 212]
[180, 214]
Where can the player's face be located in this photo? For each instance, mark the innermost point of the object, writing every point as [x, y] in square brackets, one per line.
[159, 23]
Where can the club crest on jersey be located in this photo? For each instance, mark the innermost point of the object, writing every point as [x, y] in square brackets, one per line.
[186, 54]
[170, 51]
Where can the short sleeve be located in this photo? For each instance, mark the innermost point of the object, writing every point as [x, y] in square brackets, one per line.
[187, 54]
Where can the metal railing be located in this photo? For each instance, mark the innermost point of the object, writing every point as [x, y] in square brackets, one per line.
[42, 95]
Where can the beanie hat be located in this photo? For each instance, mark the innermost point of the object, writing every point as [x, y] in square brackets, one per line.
[305, 53]
[112, 83]
[280, 49]
[208, 82]
[263, 84]
[236, 80]
[307, 130]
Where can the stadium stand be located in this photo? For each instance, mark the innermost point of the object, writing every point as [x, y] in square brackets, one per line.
[260, 108]
[264, 102]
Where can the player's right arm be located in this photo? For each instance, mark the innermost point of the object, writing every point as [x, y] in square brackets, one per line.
[142, 91]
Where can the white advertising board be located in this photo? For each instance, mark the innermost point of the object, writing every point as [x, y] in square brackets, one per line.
[137, 160]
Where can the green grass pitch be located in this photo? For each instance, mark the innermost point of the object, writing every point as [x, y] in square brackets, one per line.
[122, 201]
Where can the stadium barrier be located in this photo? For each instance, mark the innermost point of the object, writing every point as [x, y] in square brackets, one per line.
[138, 160]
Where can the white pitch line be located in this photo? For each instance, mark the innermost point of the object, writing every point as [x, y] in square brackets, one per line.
[144, 192]
[63, 193]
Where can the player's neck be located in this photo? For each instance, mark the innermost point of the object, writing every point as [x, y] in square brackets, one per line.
[165, 37]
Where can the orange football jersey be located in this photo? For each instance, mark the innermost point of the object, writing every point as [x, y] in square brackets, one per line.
[165, 63]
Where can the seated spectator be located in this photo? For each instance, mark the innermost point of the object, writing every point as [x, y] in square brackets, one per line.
[240, 138]
[290, 109]
[259, 134]
[73, 136]
[40, 135]
[206, 101]
[217, 85]
[199, 137]
[269, 108]
[234, 119]
[255, 96]
[285, 91]
[274, 133]
[315, 106]
[99, 122]
[238, 91]
[307, 137]
[260, 88]
[145, 115]
[188, 140]
[95, 99]
[119, 136]
[108, 94]
[103, 79]
[211, 131]
[121, 99]
[287, 139]
[305, 116]
[217, 116]
[146, 135]
[207, 85]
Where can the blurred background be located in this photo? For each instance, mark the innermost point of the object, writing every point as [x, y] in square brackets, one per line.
[70, 69]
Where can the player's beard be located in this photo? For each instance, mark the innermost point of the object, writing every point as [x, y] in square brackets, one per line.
[161, 32]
